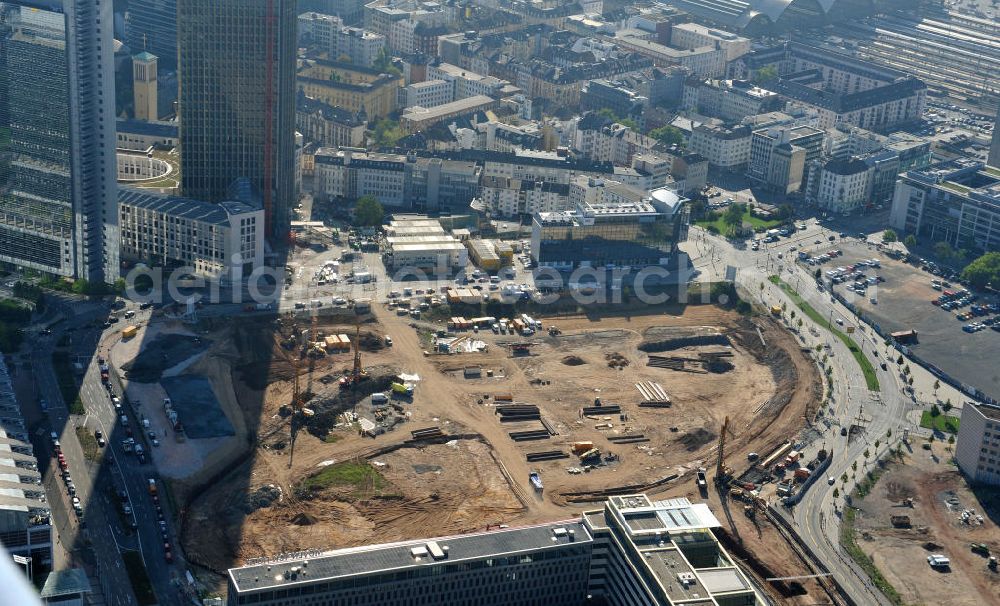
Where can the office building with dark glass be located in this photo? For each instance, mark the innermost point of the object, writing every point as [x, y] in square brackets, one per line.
[237, 101]
[151, 26]
[58, 196]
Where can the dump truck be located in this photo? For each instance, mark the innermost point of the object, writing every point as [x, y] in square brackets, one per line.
[801, 474]
[776, 310]
[702, 480]
[536, 481]
[792, 458]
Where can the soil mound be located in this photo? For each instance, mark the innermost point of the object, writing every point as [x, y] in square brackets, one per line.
[573, 361]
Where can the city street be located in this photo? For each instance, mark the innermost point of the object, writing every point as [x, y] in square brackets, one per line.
[815, 518]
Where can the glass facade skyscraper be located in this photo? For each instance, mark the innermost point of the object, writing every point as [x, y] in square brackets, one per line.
[237, 100]
[151, 25]
[58, 198]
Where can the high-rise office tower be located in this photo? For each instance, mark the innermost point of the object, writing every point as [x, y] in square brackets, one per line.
[994, 158]
[237, 101]
[58, 197]
[144, 97]
[151, 25]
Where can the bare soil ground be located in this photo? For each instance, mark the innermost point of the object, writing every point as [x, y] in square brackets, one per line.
[940, 494]
[483, 476]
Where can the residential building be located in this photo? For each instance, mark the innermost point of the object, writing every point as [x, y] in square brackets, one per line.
[610, 225]
[840, 88]
[350, 11]
[425, 184]
[977, 450]
[350, 87]
[843, 185]
[780, 154]
[327, 125]
[705, 61]
[243, 52]
[689, 173]
[328, 34]
[144, 83]
[727, 148]
[957, 202]
[631, 552]
[408, 25]
[600, 140]
[624, 103]
[58, 200]
[730, 100]
[994, 154]
[429, 93]
[213, 239]
[416, 118]
[151, 25]
[25, 517]
[467, 83]
[513, 198]
[694, 35]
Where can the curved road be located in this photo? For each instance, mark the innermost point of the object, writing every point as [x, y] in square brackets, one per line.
[815, 518]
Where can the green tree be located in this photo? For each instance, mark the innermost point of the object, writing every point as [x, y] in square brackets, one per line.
[984, 270]
[668, 135]
[818, 273]
[944, 250]
[765, 74]
[889, 236]
[368, 211]
[387, 133]
[946, 406]
[733, 217]
[899, 360]
[910, 241]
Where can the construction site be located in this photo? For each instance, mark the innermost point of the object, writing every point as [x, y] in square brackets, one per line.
[348, 428]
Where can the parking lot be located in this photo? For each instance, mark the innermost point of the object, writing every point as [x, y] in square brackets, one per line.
[903, 302]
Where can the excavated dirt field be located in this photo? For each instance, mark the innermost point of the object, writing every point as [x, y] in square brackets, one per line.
[940, 494]
[481, 478]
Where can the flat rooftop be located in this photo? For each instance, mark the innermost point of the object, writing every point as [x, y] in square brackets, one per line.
[372, 559]
[417, 113]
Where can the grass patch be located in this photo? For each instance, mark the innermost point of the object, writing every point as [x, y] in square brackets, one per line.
[331, 438]
[361, 477]
[848, 539]
[755, 222]
[88, 443]
[67, 384]
[866, 366]
[942, 423]
[139, 578]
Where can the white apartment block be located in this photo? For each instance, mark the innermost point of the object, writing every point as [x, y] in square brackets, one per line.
[844, 185]
[704, 61]
[429, 93]
[591, 191]
[729, 99]
[692, 35]
[726, 148]
[978, 448]
[213, 240]
[466, 83]
[329, 34]
[512, 198]
[351, 176]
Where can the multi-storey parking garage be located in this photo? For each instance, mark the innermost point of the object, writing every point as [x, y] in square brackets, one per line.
[956, 54]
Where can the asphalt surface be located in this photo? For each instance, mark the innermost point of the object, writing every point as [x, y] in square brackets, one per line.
[816, 518]
[103, 526]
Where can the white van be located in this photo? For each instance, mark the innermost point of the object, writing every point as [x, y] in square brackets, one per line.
[379, 398]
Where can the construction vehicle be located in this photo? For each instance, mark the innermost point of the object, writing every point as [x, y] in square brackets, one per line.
[702, 481]
[900, 521]
[536, 481]
[152, 486]
[981, 549]
[402, 389]
[992, 563]
[357, 373]
[775, 311]
[593, 453]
